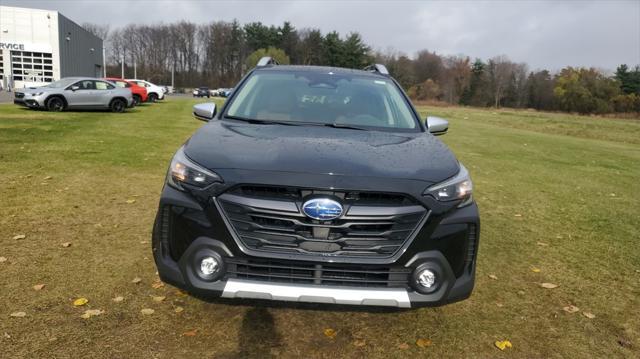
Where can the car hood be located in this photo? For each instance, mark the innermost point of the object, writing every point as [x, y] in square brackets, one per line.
[321, 150]
[38, 89]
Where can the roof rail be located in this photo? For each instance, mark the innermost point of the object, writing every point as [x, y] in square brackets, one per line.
[379, 68]
[266, 60]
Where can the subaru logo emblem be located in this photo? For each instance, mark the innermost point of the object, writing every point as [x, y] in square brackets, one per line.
[323, 209]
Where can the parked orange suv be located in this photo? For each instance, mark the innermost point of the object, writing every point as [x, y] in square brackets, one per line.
[139, 93]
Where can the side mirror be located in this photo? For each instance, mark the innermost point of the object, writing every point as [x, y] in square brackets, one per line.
[204, 111]
[437, 126]
[75, 88]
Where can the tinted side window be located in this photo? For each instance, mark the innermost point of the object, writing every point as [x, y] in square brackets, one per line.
[85, 85]
[100, 85]
[121, 84]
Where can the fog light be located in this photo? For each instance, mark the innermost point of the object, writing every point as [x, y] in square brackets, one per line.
[426, 278]
[209, 265]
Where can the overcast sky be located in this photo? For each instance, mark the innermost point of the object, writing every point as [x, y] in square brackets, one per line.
[545, 34]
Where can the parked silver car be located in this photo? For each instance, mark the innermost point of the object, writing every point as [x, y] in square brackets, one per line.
[76, 93]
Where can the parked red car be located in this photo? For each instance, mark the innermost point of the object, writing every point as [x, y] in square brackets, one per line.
[139, 93]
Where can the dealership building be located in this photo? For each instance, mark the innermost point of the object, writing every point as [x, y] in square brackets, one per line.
[40, 46]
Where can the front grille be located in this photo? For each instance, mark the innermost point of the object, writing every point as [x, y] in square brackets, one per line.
[321, 274]
[297, 194]
[19, 95]
[269, 219]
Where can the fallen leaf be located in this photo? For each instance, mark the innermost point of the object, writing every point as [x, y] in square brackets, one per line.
[542, 244]
[589, 315]
[403, 346]
[157, 284]
[625, 343]
[499, 305]
[493, 276]
[159, 299]
[535, 270]
[517, 215]
[38, 286]
[503, 344]
[181, 293]
[190, 333]
[147, 311]
[178, 310]
[571, 309]
[6, 335]
[131, 201]
[80, 301]
[521, 292]
[19, 236]
[330, 333]
[548, 285]
[48, 178]
[136, 280]
[118, 299]
[66, 244]
[18, 314]
[3, 259]
[423, 343]
[359, 343]
[91, 313]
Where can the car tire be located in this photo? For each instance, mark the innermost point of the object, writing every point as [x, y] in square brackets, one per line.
[55, 104]
[153, 97]
[136, 100]
[117, 105]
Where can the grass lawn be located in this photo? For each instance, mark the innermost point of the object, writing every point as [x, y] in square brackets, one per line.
[557, 193]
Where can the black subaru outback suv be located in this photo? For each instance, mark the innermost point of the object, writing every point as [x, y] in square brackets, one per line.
[318, 184]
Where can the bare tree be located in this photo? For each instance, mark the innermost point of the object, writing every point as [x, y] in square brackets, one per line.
[499, 69]
[101, 31]
[456, 78]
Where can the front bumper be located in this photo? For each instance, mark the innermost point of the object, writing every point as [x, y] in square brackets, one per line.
[30, 101]
[438, 246]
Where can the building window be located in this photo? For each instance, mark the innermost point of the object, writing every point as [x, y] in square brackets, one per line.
[24, 70]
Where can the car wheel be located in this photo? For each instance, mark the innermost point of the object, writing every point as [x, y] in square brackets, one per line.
[136, 100]
[153, 97]
[118, 105]
[55, 104]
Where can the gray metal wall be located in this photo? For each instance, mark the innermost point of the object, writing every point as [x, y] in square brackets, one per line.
[76, 55]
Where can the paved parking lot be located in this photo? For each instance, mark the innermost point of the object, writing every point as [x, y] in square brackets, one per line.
[6, 97]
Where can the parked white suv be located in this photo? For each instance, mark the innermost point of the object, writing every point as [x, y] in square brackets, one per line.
[154, 92]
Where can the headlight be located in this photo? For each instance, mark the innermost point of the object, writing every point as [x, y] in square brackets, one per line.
[184, 171]
[37, 94]
[459, 187]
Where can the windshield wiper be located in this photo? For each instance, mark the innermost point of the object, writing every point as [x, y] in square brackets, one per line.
[342, 125]
[261, 122]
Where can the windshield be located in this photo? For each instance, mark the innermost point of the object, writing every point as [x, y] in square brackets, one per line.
[324, 98]
[61, 83]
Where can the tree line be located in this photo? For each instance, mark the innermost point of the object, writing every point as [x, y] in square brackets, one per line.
[219, 53]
